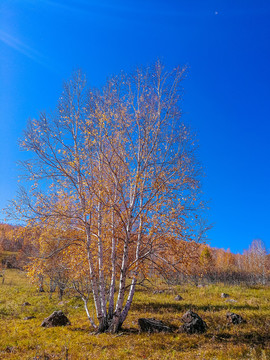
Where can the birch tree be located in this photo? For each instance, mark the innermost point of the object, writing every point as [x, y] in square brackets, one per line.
[118, 167]
[256, 261]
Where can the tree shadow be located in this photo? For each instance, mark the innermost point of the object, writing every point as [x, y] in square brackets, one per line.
[249, 338]
[155, 307]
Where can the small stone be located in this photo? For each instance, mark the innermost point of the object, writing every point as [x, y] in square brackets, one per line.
[224, 295]
[61, 303]
[29, 317]
[9, 349]
[178, 298]
[26, 304]
[230, 301]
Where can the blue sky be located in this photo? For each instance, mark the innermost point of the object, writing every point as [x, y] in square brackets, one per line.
[226, 46]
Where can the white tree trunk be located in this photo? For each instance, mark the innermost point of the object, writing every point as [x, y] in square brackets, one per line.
[135, 275]
[92, 275]
[88, 314]
[100, 264]
[113, 272]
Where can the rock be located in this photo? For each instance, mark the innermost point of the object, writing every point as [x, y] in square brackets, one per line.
[178, 298]
[61, 303]
[10, 262]
[230, 301]
[57, 318]
[234, 319]
[193, 323]
[26, 304]
[152, 325]
[224, 295]
[159, 292]
[29, 317]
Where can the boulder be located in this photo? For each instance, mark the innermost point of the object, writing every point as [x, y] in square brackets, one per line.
[224, 295]
[234, 319]
[178, 298]
[193, 323]
[9, 262]
[57, 318]
[152, 325]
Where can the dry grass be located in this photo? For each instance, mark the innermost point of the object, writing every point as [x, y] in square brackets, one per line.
[26, 339]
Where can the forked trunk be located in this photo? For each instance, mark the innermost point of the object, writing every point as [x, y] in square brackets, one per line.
[109, 325]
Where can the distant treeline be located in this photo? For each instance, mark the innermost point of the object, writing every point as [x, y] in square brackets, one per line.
[11, 238]
[206, 265]
[219, 265]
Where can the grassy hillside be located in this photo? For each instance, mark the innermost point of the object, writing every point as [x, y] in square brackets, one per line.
[7, 254]
[26, 339]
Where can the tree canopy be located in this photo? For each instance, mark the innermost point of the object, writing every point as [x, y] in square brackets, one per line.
[116, 185]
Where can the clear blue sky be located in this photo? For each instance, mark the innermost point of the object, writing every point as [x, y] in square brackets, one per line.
[226, 45]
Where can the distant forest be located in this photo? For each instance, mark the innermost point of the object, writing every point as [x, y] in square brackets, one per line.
[206, 264]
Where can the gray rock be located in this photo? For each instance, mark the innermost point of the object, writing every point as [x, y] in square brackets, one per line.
[159, 292]
[178, 298]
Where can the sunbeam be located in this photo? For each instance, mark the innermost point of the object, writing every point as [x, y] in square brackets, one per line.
[22, 48]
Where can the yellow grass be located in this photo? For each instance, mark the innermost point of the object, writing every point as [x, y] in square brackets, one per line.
[26, 339]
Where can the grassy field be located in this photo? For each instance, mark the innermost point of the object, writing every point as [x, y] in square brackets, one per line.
[26, 339]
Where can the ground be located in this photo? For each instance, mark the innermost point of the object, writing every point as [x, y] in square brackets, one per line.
[26, 339]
